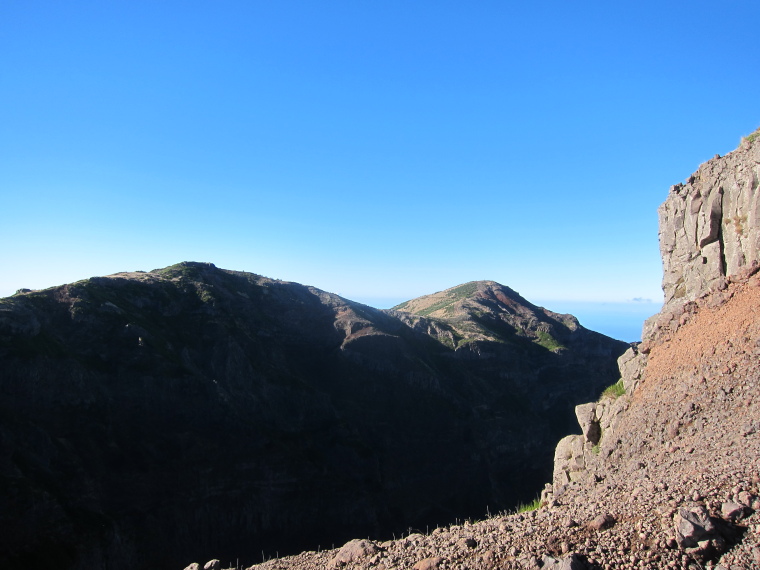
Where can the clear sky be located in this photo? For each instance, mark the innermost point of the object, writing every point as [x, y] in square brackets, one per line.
[378, 150]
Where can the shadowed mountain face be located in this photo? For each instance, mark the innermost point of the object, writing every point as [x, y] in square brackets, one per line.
[152, 419]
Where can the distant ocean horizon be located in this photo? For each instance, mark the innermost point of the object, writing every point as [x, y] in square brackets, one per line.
[622, 321]
[619, 320]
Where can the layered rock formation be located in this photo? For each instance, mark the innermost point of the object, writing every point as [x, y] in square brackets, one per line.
[666, 472]
[149, 419]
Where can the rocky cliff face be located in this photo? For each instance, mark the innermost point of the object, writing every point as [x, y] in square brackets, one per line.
[147, 419]
[710, 226]
[666, 471]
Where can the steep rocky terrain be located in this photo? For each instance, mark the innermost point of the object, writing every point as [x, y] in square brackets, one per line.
[710, 226]
[148, 419]
[666, 471]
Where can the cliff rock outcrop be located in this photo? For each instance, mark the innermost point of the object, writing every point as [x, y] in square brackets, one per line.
[710, 226]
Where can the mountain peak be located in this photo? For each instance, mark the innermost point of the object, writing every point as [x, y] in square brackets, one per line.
[490, 311]
[453, 301]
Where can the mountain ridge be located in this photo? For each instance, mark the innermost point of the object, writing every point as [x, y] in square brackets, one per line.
[141, 409]
[469, 307]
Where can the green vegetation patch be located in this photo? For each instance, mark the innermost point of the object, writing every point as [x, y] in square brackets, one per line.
[177, 270]
[738, 222]
[548, 341]
[535, 504]
[452, 296]
[752, 137]
[466, 290]
[434, 307]
[614, 391]
[449, 298]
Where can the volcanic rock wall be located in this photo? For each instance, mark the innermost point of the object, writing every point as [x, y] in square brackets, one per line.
[709, 226]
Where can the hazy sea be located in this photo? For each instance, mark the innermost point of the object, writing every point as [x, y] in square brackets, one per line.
[622, 321]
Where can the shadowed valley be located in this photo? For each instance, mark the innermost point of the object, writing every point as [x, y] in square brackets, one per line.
[153, 418]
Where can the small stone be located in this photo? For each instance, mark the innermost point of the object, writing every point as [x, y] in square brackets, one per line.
[488, 559]
[530, 563]
[744, 498]
[572, 562]
[602, 522]
[732, 511]
[430, 563]
[756, 555]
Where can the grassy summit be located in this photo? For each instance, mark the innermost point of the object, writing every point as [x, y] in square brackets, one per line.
[489, 311]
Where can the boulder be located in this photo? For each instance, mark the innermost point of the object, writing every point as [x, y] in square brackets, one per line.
[569, 463]
[692, 526]
[354, 550]
[632, 364]
[586, 414]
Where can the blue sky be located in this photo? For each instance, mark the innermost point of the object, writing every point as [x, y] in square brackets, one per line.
[379, 150]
